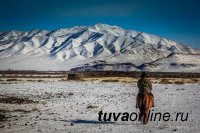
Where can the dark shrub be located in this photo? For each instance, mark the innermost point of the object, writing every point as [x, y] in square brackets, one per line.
[74, 76]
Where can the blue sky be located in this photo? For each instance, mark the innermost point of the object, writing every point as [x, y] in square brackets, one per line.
[177, 20]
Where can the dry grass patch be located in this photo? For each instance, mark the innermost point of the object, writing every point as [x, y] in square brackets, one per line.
[21, 110]
[13, 79]
[30, 80]
[16, 100]
[63, 79]
[195, 80]
[165, 81]
[110, 80]
[70, 94]
[40, 80]
[92, 107]
[2, 117]
[179, 82]
[178, 89]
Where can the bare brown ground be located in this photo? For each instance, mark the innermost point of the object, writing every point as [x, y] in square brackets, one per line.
[154, 80]
[104, 79]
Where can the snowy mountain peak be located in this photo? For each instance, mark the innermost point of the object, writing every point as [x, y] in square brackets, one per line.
[103, 25]
[100, 46]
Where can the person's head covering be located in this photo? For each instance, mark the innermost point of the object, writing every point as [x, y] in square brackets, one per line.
[144, 74]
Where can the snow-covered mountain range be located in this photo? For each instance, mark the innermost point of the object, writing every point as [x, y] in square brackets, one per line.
[97, 47]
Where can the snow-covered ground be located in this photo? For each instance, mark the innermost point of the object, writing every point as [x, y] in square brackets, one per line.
[73, 106]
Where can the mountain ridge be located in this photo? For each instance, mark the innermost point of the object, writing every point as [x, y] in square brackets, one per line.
[65, 49]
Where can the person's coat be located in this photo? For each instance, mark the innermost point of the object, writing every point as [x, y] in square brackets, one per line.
[144, 85]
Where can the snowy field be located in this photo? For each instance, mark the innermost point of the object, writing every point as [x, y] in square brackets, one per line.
[73, 106]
